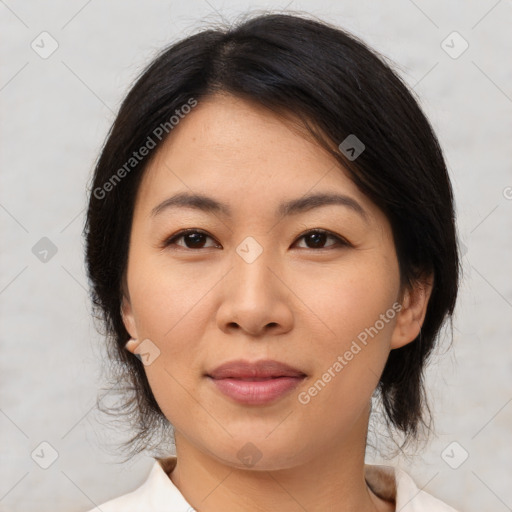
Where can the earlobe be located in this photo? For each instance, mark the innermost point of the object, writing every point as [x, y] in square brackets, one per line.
[131, 345]
[411, 316]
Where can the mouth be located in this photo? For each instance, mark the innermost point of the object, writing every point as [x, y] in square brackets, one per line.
[255, 383]
[260, 382]
[256, 390]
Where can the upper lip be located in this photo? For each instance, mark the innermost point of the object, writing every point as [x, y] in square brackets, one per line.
[265, 368]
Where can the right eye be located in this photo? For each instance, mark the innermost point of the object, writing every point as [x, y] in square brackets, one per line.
[193, 239]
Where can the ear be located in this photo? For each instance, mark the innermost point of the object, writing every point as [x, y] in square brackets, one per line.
[413, 311]
[129, 322]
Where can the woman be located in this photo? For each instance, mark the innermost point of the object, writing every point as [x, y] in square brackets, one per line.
[271, 244]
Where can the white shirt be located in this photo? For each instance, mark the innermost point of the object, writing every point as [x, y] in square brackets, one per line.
[159, 494]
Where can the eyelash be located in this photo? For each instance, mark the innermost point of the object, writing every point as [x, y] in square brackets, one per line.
[340, 240]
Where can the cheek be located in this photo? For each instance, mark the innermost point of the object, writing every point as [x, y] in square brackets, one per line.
[169, 306]
[355, 317]
[166, 298]
[350, 298]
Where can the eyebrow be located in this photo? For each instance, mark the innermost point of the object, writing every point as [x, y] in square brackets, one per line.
[292, 207]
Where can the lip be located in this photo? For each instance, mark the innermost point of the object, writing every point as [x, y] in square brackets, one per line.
[256, 383]
[262, 369]
[257, 392]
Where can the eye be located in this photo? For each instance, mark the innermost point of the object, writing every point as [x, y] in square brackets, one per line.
[317, 237]
[193, 238]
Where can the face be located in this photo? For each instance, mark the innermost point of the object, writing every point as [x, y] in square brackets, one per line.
[256, 284]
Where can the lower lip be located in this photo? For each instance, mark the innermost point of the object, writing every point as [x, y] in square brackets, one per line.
[256, 392]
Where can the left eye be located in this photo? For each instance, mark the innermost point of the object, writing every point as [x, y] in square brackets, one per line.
[318, 236]
[195, 239]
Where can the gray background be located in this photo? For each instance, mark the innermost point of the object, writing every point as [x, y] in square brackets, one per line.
[55, 115]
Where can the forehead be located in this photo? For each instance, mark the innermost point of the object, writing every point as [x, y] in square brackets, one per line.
[243, 154]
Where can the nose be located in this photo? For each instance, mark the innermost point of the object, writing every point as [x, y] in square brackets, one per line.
[255, 298]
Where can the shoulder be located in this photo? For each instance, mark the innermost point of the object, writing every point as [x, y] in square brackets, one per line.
[393, 483]
[412, 499]
[156, 494]
[126, 503]
[130, 502]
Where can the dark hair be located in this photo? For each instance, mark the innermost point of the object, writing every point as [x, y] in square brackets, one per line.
[336, 86]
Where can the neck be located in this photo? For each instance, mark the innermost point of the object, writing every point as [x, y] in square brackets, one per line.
[330, 478]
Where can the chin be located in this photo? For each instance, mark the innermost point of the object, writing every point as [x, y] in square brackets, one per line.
[261, 453]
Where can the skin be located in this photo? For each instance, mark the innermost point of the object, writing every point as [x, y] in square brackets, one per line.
[295, 303]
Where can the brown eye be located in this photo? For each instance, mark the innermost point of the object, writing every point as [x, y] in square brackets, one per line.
[316, 239]
[192, 238]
